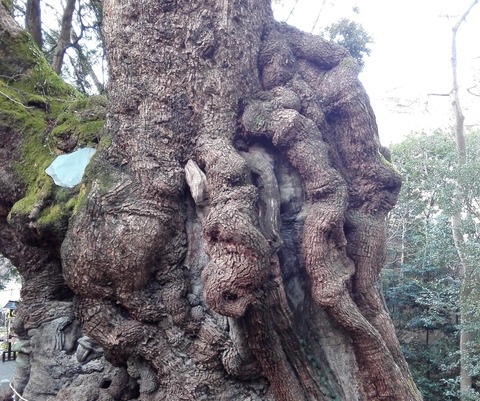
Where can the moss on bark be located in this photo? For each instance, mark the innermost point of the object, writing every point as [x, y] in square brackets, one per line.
[51, 118]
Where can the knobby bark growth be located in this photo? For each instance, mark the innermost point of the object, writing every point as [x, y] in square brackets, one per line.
[230, 238]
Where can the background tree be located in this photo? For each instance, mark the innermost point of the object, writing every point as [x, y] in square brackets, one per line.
[7, 271]
[422, 281]
[227, 239]
[64, 37]
[33, 21]
[71, 39]
[467, 273]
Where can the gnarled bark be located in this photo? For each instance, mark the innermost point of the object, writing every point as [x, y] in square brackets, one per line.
[231, 237]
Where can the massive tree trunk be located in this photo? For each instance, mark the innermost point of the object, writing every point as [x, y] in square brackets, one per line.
[227, 243]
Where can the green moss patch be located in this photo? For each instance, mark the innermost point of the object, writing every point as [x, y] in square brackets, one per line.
[37, 105]
[30, 121]
[53, 220]
[25, 66]
[80, 123]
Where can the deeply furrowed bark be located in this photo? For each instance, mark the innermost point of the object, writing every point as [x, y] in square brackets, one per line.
[232, 234]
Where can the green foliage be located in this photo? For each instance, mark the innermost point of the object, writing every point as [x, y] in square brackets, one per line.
[352, 36]
[7, 272]
[421, 281]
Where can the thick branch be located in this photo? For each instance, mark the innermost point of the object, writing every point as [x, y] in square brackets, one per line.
[33, 21]
[64, 38]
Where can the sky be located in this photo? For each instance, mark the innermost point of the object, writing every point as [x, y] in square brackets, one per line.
[410, 57]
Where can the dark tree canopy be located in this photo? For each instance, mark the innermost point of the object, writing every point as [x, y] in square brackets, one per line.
[227, 239]
[352, 36]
